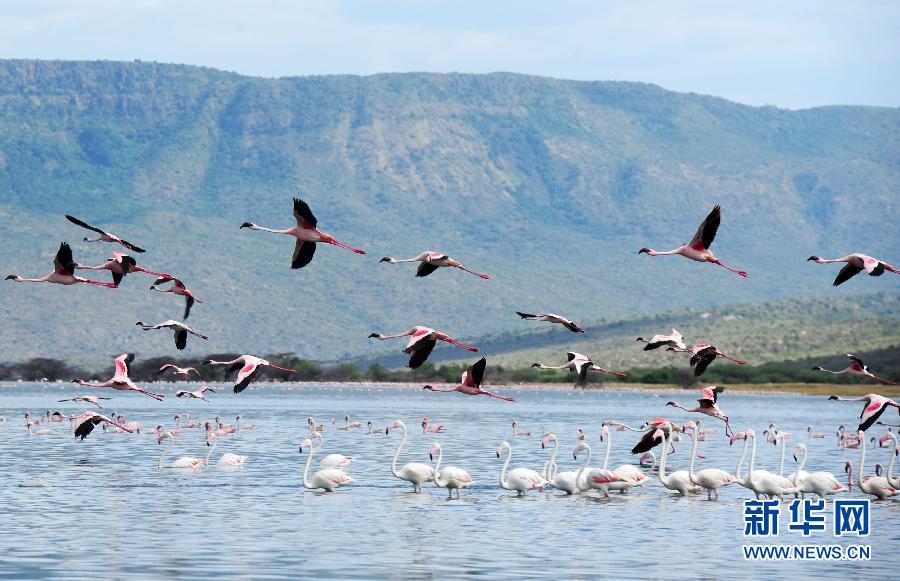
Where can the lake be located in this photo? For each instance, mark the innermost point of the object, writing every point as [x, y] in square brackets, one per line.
[100, 508]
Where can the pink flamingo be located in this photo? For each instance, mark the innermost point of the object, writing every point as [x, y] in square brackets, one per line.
[421, 341]
[708, 405]
[471, 382]
[875, 406]
[177, 288]
[196, 394]
[238, 427]
[579, 364]
[306, 234]
[432, 261]
[427, 428]
[811, 434]
[85, 423]
[120, 380]
[189, 424]
[517, 433]
[857, 367]
[181, 331]
[91, 399]
[182, 371]
[675, 339]
[702, 354]
[856, 263]
[551, 318]
[698, 248]
[348, 425]
[63, 271]
[249, 366]
[104, 236]
[119, 265]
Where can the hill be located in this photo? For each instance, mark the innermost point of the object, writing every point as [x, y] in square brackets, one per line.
[550, 186]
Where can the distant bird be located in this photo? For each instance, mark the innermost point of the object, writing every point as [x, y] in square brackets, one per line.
[427, 428]
[551, 318]
[675, 339]
[63, 271]
[181, 331]
[104, 236]
[871, 412]
[120, 380]
[579, 364]
[86, 422]
[432, 261]
[182, 371]
[708, 405]
[306, 234]
[421, 341]
[517, 433]
[196, 394]
[857, 367]
[120, 265]
[177, 288]
[856, 263]
[249, 368]
[698, 248]
[702, 354]
[471, 382]
[91, 399]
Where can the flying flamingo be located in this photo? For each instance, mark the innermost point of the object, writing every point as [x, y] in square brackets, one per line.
[249, 368]
[181, 331]
[471, 382]
[327, 479]
[702, 354]
[710, 479]
[177, 288]
[120, 379]
[875, 406]
[517, 433]
[551, 318]
[63, 271]
[182, 371]
[877, 486]
[415, 473]
[189, 424]
[451, 477]
[421, 341]
[519, 479]
[84, 424]
[306, 234]
[857, 367]
[228, 459]
[91, 399]
[432, 261]
[818, 483]
[698, 248]
[650, 439]
[708, 405]
[856, 263]
[427, 428]
[675, 339]
[120, 265]
[104, 236]
[196, 394]
[579, 364]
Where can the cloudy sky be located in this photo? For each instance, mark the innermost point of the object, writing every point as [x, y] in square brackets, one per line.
[794, 54]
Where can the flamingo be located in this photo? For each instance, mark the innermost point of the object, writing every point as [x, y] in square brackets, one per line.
[182, 371]
[580, 364]
[374, 430]
[594, 478]
[196, 394]
[227, 428]
[63, 271]
[520, 479]
[471, 382]
[432, 261]
[763, 481]
[91, 399]
[810, 434]
[708, 405]
[228, 459]
[895, 482]
[120, 265]
[238, 427]
[451, 477]
[875, 406]
[882, 442]
[327, 479]
[710, 479]
[551, 318]
[675, 339]
[332, 460]
[347, 425]
[819, 483]
[631, 476]
[857, 367]
[313, 428]
[55, 417]
[85, 423]
[189, 462]
[877, 486]
[415, 473]
[189, 424]
[181, 331]
[249, 368]
[566, 481]
[104, 236]
[856, 263]
[702, 354]
[519, 433]
[650, 439]
[421, 341]
[120, 380]
[680, 480]
[427, 428]
[306, 234]
[177, 288]
[698, 248]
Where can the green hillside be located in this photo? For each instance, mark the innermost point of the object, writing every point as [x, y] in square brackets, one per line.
[550, 186]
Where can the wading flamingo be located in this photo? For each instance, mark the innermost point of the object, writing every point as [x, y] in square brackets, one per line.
[85, 423]
[427, 428]
[471, 382]
[104, 236]
[348, 425]
[91, 399]
[877, 486]
[306, 234]
[63, 271]
[579, 364]
[190, 462]
[698, 248]
[421, 341]
[819, 483]
[519, 479]
[327, 478]
[517, 433]
[238, 427]
[680, 480]
[249, 368]
[631, 475]
[415, 473]
[432, 261]
[856, 263]
[181, 331]
[179, 289]
[765, 482]
[196, 394]
[228, 459]
[182, 371]
[551, 318]
[374, 430]
[451, 477]
[675, 339]
[810, 434]
[708, 405]
[566, 481]
[857, 367]
[710, 479]
[120, 380]
[874, 408]
[594, 478]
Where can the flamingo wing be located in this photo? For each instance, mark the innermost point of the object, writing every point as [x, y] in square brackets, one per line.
[420, 352]
[122, 362]
[857, 361]
[180, 338]
[647, 442]
[130, 246]
[474, 375]
[247, 374]
[188, 303]
[63, 262]
[712, 393]
[304, 216]
[849, 271]
[164, 367]
[78, 222]
[426, 268]
[303, 253]
[706, 233]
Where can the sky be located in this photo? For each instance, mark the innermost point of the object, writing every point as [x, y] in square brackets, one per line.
[793, 54]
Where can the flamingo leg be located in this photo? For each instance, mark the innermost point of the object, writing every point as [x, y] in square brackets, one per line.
[346, 247]
[742, 273]
[484, 276]
[484, 392]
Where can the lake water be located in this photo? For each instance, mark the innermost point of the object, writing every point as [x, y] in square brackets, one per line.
[100, 508]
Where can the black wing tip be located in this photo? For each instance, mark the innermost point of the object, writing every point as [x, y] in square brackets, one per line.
[524, 315]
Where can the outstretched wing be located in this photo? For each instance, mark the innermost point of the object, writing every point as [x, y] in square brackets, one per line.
[63, 263]
[188, 303]
[706, 233]
[180, 338]
[130, 246]
[700, 363]
[857, 361]
[646, 443]
[849, 271]
[303, 214]
[303, 253]
[420, 352]
[248, 374]
[526, 315]
[163, 368]
[78, 222]
[86, 427]
[712, 393]
[426, 268]
[474, 375]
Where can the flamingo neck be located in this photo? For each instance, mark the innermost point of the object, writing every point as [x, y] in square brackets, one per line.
[550, 466]
[862, 460]
[165, 452]
[213, 447]
[504, 483]
[801, 466]
[893, 454]
[437, 467]
[581, 477]
[693, 456]
[397, 453]
[608, 448]
[664, 480]
[781, 464]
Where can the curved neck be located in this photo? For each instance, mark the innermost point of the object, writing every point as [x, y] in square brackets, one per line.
[802, 464]
[437, 467]
[397, 453]
[893, 453]
[550, 466]
[504, 483]
[752, 458]
[312, 450]
[213, 447]
[662, 461]
[608, 448]
[740, 462]
[781, 464]
[166, 451]
[862, 460]
[582, 473]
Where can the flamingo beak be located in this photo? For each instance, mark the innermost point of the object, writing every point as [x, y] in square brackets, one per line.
[498, 454]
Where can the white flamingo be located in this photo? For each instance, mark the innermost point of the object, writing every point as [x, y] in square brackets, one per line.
[631, 475]
[182, 371]
[432, 261]
[181, 331]
[765, 482]
[519, 479]
[189, 462]
[451, 477]
[104, 236]
[579, 364]
[63, 271]
[710, 479]
[196, 394]
[818, 483]
[179, 289]
[675, 339]
[877, 486]
[91, 399]
[228, 460]
[552, 318]
[680, 480]
[856, 263]
[415, 473]
[594, 478]
[566, 481]
[327, 479]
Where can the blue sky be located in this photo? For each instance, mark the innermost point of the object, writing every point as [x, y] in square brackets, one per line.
[791, 54]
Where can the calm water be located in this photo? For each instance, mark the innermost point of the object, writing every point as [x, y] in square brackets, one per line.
[99, 507]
